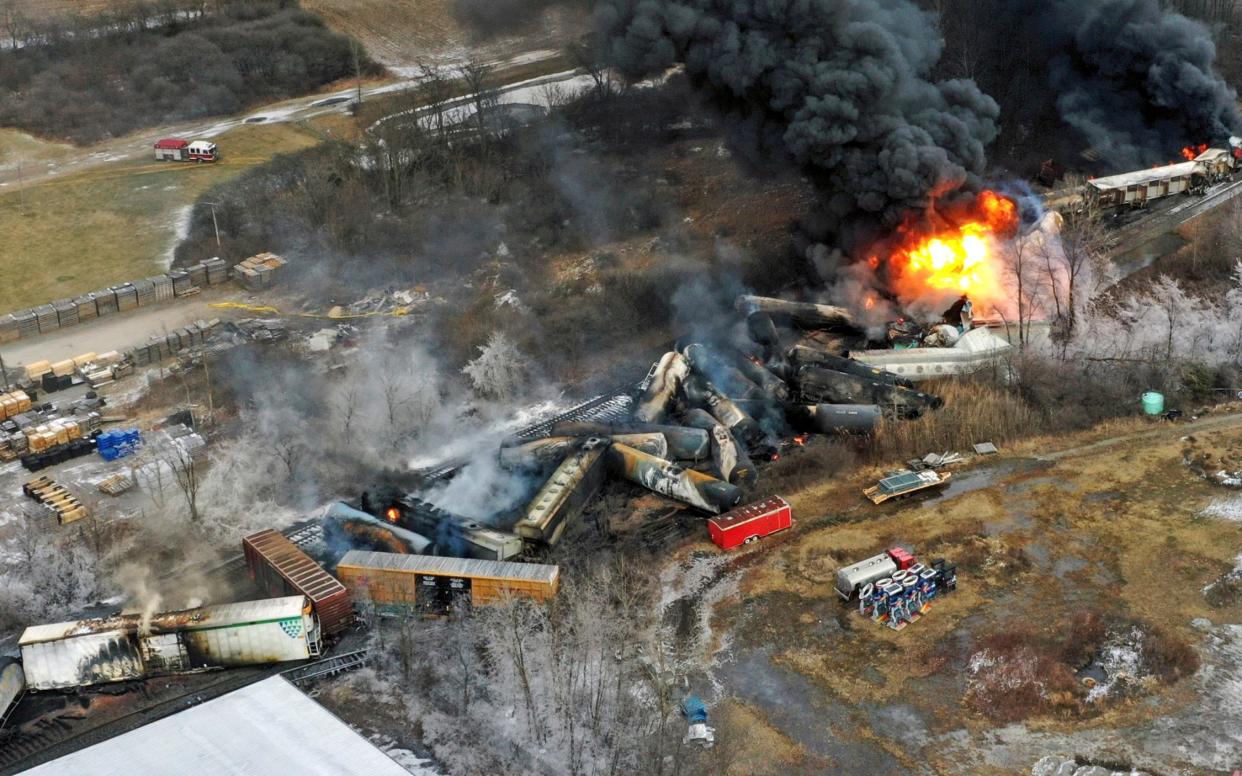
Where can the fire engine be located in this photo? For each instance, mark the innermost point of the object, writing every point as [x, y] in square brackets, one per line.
[172, 149]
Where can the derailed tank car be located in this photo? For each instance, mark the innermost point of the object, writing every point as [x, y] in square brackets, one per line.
[129, 646]
[562, 498]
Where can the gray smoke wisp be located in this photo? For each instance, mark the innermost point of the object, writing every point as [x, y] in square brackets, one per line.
[841, 89]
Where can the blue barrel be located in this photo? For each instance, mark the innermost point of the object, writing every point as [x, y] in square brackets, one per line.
[1153, 403]
[927, 582]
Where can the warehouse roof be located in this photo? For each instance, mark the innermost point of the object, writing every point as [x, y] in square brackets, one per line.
[1140, 177]
[462, 567]
[265, 728]
[167, 622]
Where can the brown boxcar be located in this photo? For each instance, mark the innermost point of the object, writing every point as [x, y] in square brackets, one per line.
[433, 585]
[280, 567]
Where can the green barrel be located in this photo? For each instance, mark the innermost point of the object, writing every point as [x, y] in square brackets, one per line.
[1153, 403]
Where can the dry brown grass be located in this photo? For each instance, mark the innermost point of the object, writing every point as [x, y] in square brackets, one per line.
[972, 412]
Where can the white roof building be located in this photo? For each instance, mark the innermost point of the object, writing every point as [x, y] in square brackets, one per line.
[269, 727]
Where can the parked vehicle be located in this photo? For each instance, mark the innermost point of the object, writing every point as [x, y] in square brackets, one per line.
[174, 149]
[750, 523]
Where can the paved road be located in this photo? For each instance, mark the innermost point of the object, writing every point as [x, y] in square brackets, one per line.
[137, 145]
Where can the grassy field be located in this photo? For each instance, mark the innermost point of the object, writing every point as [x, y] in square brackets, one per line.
[1114, 530]
[117, 221]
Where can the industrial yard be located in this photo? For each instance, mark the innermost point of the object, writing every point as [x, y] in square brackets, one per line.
[603, 386]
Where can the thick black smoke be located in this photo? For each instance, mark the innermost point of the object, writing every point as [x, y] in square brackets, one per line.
[842, 88]
[1138, 81]
[1135, 82]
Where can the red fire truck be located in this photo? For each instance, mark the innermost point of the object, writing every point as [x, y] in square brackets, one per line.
[173, 149]
[749, 523]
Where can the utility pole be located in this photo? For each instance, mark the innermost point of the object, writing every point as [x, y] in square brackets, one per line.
[21, 186]
[215, 225]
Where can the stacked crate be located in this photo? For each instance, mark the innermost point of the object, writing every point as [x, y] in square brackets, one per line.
[198, 275]
[118, 443]
[8, 329]
[105, 301]
[46, 316]
[27, 323]
[145, 289]
[217, 270]
[13, 403]
[66, 312]
[259, 272]
[182, 286]
[126, 297]
[86, 308]
[163, 287]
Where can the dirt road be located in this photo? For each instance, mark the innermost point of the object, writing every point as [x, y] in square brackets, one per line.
[120, 331]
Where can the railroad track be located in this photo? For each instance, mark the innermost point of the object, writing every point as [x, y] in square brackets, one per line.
[606, 408]
[330, 666]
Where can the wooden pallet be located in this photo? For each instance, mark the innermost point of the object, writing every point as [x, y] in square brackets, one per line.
[56, 497]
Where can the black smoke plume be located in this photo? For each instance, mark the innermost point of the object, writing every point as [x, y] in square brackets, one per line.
[1133, 81]
[840, 88]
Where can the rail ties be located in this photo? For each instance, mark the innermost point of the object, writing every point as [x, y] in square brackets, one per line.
[331, 666]
[607, 408]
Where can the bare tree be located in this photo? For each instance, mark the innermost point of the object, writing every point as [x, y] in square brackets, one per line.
[586, 56]
[186, 473]
[477, 76]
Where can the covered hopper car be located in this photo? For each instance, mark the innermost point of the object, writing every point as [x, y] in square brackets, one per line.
[128, 646]
[280, 567]
[434, 586]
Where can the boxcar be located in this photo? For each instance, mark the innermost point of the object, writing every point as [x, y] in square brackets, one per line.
[280, 567]
[434, 585]
[1136, 189]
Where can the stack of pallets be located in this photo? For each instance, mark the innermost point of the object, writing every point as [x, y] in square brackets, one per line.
[56, 497]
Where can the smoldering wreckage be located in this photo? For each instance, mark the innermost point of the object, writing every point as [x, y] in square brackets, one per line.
[696, 429]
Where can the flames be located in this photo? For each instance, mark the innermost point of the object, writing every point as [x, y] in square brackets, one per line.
[958, 255]
[1191, 151]
[392, 514]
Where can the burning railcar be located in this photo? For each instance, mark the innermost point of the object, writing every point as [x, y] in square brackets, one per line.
[130, 646]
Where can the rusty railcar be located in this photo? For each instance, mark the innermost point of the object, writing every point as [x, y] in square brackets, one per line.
[280, 567]
[433, 585]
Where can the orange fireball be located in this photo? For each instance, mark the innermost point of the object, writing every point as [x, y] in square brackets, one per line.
[958, 257]
[1190, 152]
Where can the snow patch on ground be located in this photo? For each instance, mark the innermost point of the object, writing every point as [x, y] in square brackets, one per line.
[1225, 508]
[181, 229]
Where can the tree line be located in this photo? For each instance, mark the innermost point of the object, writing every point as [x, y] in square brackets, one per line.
[143, 64]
